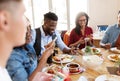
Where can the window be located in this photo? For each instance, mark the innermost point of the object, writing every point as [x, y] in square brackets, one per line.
[29, 13]
[40, 7]
[66, 11]
[59, 7]
[76, 7]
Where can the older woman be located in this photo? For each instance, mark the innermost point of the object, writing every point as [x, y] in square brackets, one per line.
[81, 35]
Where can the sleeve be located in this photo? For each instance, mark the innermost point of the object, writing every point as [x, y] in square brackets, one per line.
[91, 30]
[60, 43]
[16, 70]
[71, 41]
[106, 36]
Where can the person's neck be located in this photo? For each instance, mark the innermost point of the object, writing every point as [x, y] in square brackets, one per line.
[82, 28]
[5, 50]
[44, 30]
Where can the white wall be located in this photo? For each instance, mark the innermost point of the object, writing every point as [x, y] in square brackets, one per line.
[103, 12]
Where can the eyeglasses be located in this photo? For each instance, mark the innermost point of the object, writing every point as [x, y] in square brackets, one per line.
[83, 20]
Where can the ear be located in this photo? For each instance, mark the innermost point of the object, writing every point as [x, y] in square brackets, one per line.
[4, 21]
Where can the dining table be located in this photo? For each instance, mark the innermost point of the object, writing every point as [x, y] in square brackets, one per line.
[91, 73]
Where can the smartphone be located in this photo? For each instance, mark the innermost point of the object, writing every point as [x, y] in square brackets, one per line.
[55, 39]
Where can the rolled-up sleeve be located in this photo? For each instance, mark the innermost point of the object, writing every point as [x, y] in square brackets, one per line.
[59, 42]
[105, 38]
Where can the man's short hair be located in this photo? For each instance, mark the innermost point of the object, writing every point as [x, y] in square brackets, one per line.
[4, 4]
[2, 1]
[50, 16]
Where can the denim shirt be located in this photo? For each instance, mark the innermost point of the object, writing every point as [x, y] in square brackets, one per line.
[22, 63]
[111, 35]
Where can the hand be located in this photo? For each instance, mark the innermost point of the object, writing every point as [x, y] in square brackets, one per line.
[108, 46]
[49, 50]
[90, 37]
[41, 76]
[74, 50]
[81, 40]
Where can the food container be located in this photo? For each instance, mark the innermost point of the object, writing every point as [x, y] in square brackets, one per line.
[73, 67]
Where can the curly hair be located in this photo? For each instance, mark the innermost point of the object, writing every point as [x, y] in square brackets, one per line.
[50, 16]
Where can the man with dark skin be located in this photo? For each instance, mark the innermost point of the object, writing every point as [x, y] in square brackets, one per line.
[48, 33]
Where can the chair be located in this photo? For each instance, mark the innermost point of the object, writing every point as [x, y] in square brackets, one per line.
[66, 38]
[63, 33]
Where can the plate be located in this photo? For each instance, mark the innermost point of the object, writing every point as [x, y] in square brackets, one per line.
[108, 78]
[115, 50]
[113, 57]
[63, 58]
[52, 68]
[91, 50]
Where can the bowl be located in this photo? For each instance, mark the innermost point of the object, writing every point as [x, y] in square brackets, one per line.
[73, 67]
[92, 61]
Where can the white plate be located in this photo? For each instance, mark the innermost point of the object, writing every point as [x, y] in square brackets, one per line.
[54, 66]
[83, 50]
[108, 78]
[115, 50]
[65, 58]
[112, 55]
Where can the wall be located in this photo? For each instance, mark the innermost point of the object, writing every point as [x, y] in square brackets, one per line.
[103, 12]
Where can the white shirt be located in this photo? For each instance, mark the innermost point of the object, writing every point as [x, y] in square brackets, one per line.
[46, 39]
[4, 76]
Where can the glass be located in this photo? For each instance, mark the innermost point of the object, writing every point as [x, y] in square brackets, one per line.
[84, 20]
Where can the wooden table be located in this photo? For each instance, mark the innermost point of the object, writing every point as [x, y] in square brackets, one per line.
[92, 73]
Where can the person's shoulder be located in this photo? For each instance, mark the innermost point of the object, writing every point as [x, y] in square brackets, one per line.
[88, 27]
[17, 53]
[111, 27]
[73, 30]
[57, 32]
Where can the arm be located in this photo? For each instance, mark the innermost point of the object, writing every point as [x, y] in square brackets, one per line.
[16, 70]
[73, 42]
[80, 41]
[42, 60]
[104, 42]
[61, 44]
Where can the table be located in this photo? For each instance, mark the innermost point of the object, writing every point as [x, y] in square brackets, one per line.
[92, 73]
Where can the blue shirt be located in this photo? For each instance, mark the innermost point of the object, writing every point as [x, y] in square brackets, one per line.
[46, 39]
[22, 63]
[111, 35]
